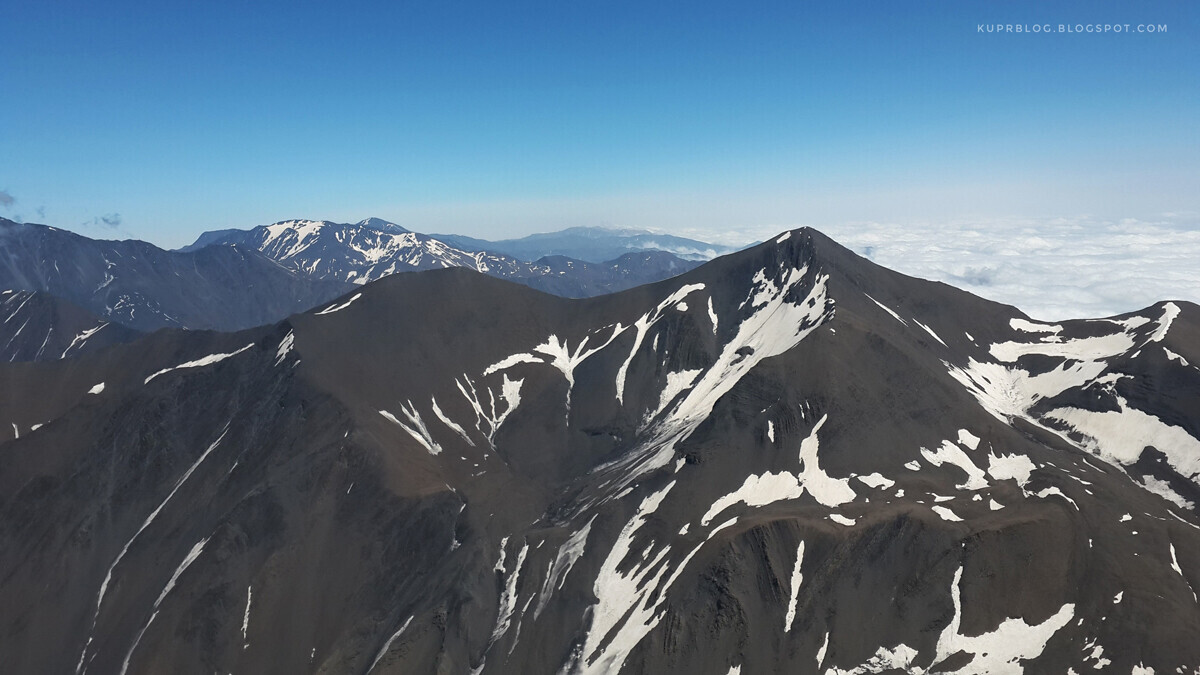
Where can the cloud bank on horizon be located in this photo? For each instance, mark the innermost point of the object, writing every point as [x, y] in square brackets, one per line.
[1052, 269]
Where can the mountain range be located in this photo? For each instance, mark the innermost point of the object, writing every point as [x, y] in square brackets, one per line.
[373, 248]
[236, 279]
[592, 244]
[787, 459]
[143, 287]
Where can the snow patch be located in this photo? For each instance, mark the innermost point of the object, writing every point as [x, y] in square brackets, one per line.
[766, 488]
[1172, 356]
[1055, 492]
[946, 514]
[1001, 650]
[949, 453]
[1120, 436]
[877, 481]
[968, 440]
[1016, 467]
[1032, 327]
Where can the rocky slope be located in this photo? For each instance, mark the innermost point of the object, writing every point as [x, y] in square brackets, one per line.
[37, 326]
[786, 460]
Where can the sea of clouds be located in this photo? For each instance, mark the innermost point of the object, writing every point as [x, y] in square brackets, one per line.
[1051, 269]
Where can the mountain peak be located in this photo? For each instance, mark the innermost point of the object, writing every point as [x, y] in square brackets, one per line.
[383, 225]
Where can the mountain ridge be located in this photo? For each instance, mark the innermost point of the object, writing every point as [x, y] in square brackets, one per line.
[785, 459]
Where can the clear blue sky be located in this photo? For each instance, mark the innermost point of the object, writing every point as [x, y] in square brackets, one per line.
[503, 118]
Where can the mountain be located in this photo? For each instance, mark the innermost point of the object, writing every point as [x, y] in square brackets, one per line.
[143, 287]
[37, 326]
[786, 460]
[572, 278]
[593, 244]
[374, 248]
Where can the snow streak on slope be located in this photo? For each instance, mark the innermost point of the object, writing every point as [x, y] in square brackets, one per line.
[642, 326]
[508, 599]
[285, 347]
[81, 339]
[565, 360]
[776, 323]
[415, 426]
[1170, 311]
[568, 554]
[204, 361]
[246, 618]
[488, 418]
[146, 523]
[887, 309]
[187, 562]
[388, 645]
[629, 605]
[338, 307]
[794, 590]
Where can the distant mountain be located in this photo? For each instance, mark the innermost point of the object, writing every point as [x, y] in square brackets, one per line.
[373, 248]
[36, 326]
[571, 278]
[593, 244]
[787, 460]
[145, 288]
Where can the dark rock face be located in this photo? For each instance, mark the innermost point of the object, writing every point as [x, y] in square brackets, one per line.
[786, 460]
[372, 249]
[37, 326]
[143, 287]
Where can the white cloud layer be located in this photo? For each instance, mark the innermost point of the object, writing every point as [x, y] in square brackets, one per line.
[1051, 269]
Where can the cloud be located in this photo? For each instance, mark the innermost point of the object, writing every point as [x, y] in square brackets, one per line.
[110, 221]
[6, 200]
[1050, 268]
[977, 276]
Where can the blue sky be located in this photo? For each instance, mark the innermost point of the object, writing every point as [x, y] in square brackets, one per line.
[498, 119]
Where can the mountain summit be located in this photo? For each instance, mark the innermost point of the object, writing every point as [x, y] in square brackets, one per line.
[788, 459]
